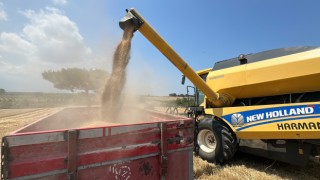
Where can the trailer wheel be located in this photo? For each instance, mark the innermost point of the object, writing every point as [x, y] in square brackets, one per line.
[216, 141]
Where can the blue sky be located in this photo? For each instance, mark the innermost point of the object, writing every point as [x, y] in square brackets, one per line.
[38, 35]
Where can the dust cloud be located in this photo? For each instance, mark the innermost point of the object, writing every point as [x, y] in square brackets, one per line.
[115, 107]
[112, 96]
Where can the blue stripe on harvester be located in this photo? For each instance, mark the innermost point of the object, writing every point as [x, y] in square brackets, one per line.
[281, 120]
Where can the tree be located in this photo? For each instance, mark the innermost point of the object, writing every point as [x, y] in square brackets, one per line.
[2, 91]
[73, 79]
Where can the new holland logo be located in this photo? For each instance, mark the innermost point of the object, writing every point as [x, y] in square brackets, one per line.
[237, 119]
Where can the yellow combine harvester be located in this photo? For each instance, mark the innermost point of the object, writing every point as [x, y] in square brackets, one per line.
[266, 103]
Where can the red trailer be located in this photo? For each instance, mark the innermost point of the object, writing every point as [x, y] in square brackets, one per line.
[160, 148]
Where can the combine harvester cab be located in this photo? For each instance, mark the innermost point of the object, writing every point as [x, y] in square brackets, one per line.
[161, 148]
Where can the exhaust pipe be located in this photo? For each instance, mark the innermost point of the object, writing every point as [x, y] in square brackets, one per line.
[133, 18]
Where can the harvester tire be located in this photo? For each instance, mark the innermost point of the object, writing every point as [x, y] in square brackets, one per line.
[216, 142]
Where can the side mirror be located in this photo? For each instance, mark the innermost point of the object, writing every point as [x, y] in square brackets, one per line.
[183, 80]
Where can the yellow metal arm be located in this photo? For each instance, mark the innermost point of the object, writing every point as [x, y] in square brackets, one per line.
[135, 19]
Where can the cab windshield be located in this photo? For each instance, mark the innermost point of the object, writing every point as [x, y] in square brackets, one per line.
[200, 97]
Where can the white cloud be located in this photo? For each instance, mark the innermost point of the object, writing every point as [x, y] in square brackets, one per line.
[3, 14]
[14, 50]
[56, 37]
[49, 40]
[60, 2]
[13, 43]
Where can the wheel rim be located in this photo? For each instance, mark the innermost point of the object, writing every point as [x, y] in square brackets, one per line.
[207, 140]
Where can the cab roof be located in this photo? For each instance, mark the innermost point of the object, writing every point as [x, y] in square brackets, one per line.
[261, 56]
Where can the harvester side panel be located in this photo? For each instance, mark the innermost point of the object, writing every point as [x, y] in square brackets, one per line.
[295, 73]
[281, 121]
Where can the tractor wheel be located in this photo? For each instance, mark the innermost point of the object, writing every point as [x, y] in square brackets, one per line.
[216, 142]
